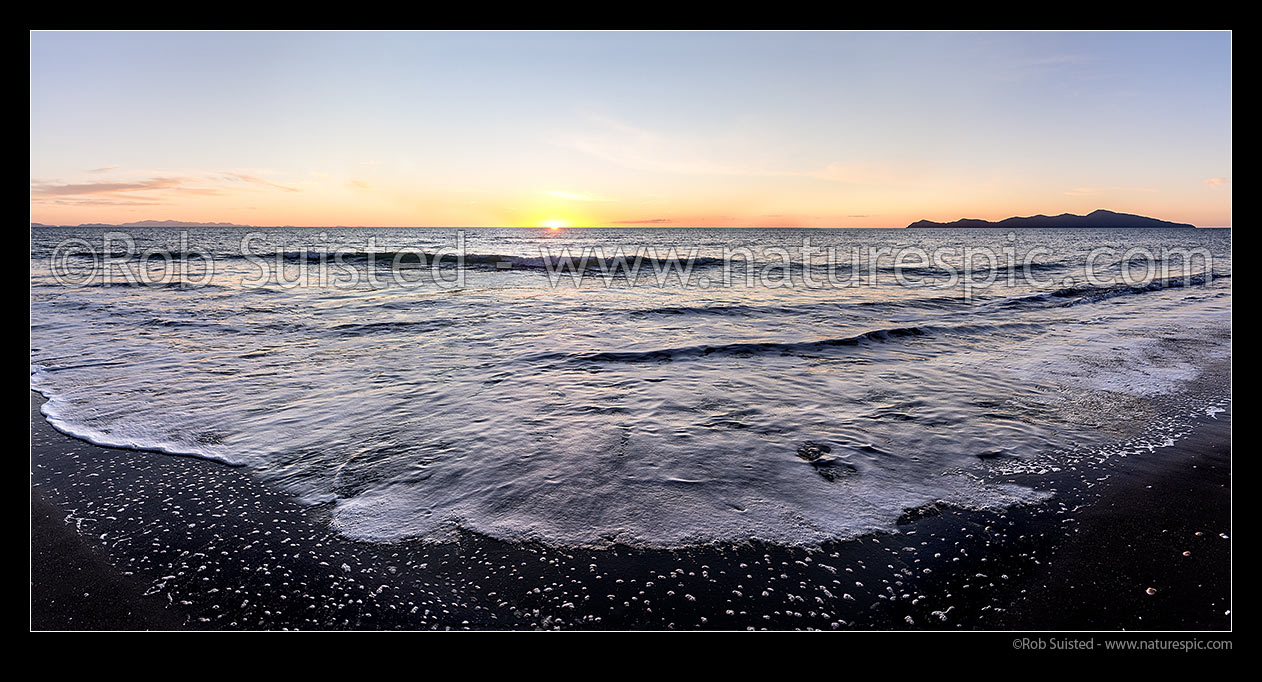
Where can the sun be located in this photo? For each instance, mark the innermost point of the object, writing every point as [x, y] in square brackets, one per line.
[554, 224]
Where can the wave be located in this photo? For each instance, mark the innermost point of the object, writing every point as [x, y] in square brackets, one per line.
[610, 265]
[60, 416]
[723, 310]
[748, 310]
[366, 328]
[148, 254]
[876, 336]
[174, 283]
[1091, 293]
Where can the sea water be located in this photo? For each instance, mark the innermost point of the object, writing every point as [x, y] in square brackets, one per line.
[434, 381]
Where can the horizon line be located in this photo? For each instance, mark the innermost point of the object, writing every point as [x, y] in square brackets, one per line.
[580, 227]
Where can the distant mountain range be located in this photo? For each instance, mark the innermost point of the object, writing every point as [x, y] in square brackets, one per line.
[148, 223]
[1100, 218]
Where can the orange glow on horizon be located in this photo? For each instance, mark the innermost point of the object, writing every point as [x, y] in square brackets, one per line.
[327, 202]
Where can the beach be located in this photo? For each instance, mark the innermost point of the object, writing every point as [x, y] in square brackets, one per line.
[160, 542]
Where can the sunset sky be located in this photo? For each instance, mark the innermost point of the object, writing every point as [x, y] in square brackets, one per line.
[816, 129]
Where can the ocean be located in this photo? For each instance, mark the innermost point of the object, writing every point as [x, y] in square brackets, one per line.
[789, 387]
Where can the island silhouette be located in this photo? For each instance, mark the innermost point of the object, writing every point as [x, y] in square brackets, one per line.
[1098, 218]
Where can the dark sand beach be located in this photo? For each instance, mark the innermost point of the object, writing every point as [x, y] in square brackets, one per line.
[74, 586]
[135, 540]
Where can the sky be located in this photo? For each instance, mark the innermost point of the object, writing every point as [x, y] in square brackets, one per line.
[739, 128]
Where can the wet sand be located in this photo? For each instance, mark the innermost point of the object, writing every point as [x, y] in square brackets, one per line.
[74, 587]
[135, 540]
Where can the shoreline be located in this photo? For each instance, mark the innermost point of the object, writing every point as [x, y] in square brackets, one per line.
[184, 543]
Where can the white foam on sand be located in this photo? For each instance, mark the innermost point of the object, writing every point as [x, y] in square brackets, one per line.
[130, 435]
[661, 517]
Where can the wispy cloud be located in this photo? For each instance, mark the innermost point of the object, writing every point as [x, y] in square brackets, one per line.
[148, 190]
[1094, 191]
[639, 149]
[50, 189]
[1038, 66]
[1216, 181]
[261, 181]
[578, 196]
[202, 191]
[646, 221]
[72, 201]
[103, 169]
[1057, 60]
[852, 173]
